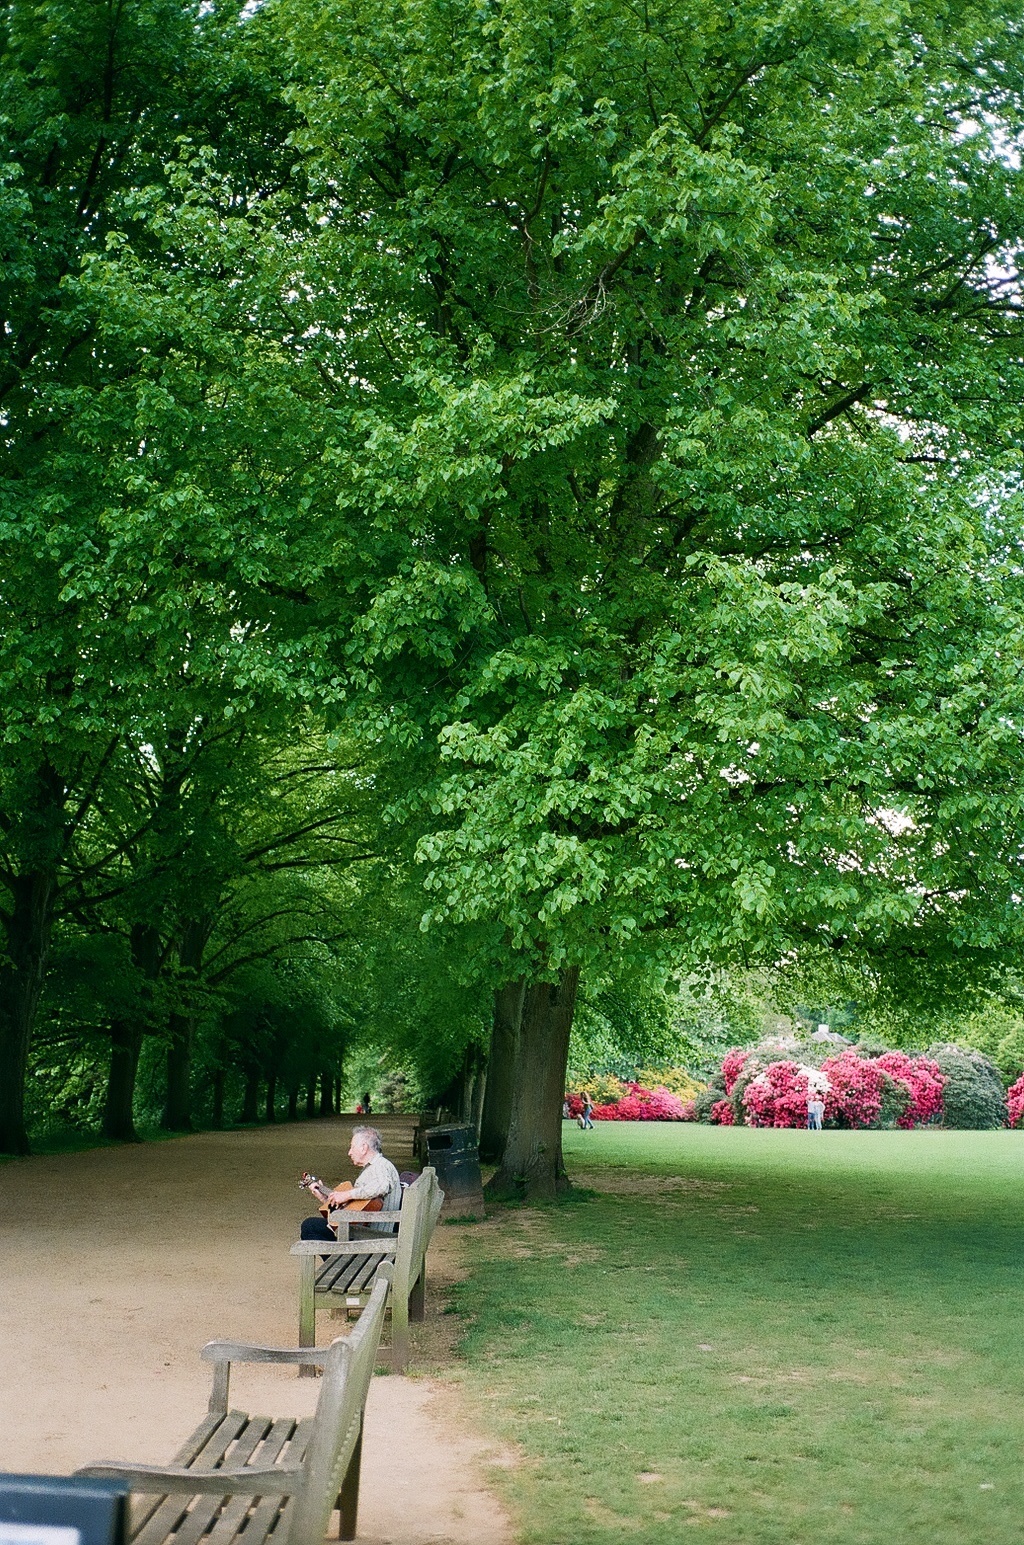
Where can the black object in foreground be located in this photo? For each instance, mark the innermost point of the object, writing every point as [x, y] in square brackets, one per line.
[61, 1510]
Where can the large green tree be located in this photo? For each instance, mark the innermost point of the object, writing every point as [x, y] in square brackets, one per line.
[135, 457]
[674, 356]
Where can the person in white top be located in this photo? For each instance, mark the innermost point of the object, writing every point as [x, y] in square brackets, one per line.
[815, 1112]
[379, 1178]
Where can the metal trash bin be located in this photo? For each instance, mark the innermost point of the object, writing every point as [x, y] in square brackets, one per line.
[453, 1153]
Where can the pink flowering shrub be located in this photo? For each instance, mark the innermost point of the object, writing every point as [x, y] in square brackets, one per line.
[1015, 1102]
[856, 1087]
[777, 1097]
[722, 1114]
[689, 1110]
[732, 1066]
[925, 1080]
[642, 1104]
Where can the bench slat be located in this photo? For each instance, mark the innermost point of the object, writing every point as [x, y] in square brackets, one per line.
[192, 1529]
[269, 1513]
[271, 1440]
[211, 1455]
[207, 1454]
[338, 1279]
[143, 1508]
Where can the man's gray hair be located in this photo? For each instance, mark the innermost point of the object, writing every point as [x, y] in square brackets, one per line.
[370, 1136]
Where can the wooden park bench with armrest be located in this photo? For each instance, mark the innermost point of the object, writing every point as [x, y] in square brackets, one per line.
[241, 1480]
[343, 1279]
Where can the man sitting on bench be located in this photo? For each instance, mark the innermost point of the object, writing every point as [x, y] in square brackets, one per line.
[379, 1178]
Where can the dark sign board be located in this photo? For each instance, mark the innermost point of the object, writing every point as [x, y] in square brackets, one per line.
[61, 1510]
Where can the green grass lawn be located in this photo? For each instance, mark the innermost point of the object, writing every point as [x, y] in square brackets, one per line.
[767, 1336]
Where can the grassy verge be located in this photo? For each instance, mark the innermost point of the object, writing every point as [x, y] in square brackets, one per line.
[767, 1336]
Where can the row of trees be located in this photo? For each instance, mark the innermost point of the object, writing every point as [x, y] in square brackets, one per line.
[597, 429]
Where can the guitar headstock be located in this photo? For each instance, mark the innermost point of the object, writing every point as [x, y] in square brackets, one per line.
[310, 1182]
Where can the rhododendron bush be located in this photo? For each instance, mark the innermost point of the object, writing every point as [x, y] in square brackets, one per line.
[854, 1098]
[777, 1097]
[732, 1066]
[923, 1078]
[635, 1103]
[1015, 1102]
[769, 1085]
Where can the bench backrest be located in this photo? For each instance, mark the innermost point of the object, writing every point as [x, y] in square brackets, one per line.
[421, 1205]
[339, 1416]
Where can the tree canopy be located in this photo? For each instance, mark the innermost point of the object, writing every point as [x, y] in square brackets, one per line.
[606, 418]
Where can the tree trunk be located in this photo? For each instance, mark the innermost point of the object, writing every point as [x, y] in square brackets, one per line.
[29, 925]
[271, 1097]
[476, 1114]
[326, 1103]
[118, 1111]
[531, 1167]
[126, 1041]
[217, 1115]
[250, 1099]
[501, 1067]
[311, 1097]
[177, 1116]
[293, 1103]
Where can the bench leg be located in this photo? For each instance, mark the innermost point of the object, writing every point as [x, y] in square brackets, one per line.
[348, 1498]
[307, 1311]
[399, 1332]
[418, 1297]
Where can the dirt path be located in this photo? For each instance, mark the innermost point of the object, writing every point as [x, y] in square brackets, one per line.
[119, 1263]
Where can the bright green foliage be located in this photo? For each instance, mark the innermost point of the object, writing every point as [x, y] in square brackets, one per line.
[135, 465]
[674, 397]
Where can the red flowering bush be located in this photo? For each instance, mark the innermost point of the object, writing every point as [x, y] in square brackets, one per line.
[856, 1088]
[642, 1104]
[1015, 1102]
[777, 1097]
[575, 1104]
[722, 1114]
[732, 1066]
[689, 1110]
[925, 1080]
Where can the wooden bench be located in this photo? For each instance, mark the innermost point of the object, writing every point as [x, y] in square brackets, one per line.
[344, 1279]
[243, 1478]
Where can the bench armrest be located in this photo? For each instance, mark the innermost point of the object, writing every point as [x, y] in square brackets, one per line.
[384, 1244]
[342, 1215]
[246, 1352]
[160, 1479]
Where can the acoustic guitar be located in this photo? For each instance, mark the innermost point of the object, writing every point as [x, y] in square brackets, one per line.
[317, 1188]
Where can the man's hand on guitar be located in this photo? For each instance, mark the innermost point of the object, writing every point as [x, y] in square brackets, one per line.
[340, 1195]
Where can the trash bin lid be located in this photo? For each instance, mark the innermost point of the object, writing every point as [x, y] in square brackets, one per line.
[458, 1136]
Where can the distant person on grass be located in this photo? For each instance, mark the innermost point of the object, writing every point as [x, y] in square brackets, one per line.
[585, 1121]
[815, 1113]
[379, 1178]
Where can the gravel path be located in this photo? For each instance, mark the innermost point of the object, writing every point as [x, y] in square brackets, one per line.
[117, 1264]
